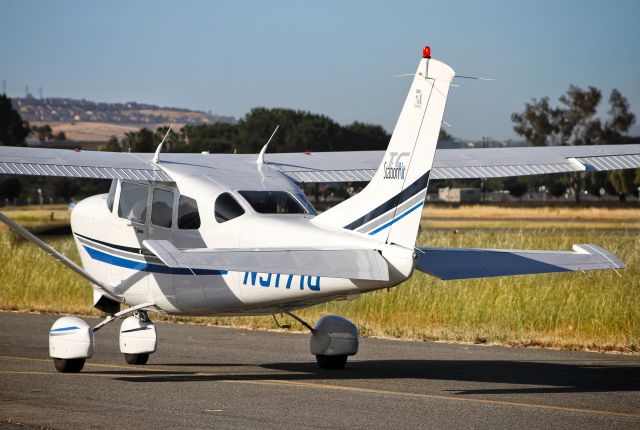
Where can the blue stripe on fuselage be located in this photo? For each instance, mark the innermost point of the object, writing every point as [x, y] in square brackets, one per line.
[146, 267]
[407, 212]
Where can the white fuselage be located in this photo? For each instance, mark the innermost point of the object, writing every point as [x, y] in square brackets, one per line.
[110, 245]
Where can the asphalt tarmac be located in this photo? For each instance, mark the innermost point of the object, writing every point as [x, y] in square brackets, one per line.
[209, 377]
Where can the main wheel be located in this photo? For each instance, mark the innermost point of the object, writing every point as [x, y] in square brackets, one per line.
[68, 365]
[136, 358]
[331, 361]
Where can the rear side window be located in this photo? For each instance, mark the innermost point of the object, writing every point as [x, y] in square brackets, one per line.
[188, 216]
[227, 208]
[133, 202]
[272, 202]
[162, 208]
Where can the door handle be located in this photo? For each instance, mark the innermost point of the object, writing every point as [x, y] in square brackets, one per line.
[135, 228]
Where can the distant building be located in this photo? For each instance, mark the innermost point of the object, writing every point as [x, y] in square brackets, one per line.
[459, 195]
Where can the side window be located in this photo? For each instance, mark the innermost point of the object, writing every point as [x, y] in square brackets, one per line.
[227, 208]
[188, 217]
[112, 195]
[272, 202]
[133, 202]
[162, 208]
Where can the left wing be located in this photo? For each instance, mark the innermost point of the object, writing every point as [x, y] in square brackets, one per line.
[467, 263]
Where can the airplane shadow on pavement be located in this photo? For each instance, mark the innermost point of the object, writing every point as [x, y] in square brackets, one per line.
[541, 377]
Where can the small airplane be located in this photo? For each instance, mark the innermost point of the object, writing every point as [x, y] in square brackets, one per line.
[233, 234]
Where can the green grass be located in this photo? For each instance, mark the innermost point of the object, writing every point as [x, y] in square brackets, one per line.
[596, 310]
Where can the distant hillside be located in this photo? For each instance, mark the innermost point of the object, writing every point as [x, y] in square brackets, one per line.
[59, 109]
[85, 120]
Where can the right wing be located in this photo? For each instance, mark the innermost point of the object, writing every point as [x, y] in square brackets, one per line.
[331, 263]
[467, 263]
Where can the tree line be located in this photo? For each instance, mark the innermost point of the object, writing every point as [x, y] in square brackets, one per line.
[298, 131]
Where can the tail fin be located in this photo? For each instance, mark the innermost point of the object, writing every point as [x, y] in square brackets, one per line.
[389, 207]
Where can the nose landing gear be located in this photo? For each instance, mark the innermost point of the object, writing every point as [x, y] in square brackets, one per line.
[138, 338]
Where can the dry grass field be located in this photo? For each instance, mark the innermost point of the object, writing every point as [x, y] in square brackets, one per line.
[38, 218]
[597, 310]
[98, 131]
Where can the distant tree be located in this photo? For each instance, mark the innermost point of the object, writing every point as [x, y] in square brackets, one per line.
[444, 135]
[362, 137]
[624, 182]
[614, 130]
[60, 136]
[10, 188]
[13, 130]
[215, 138]
[537, 123]
[574, 122]
[43, 132]
[139, 141]
[113, 145]
[516, 187]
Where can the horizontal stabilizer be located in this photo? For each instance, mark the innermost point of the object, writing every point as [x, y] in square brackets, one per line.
[366, 264]
[467, 263]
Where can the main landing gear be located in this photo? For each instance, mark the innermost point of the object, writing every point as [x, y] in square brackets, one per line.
[333, 339]
[71, 339]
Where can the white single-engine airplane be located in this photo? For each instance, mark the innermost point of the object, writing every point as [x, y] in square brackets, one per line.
[226, 234]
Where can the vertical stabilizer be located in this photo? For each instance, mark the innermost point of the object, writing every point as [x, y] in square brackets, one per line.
[389, 207]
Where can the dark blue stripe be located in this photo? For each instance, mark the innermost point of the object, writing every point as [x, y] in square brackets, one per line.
[146, 267]
[393, 202]
[382, 227]
[65, 328]
[111, 245]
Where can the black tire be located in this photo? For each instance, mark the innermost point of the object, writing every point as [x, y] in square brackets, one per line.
[136, 359]
[331, 361]
[68, 365]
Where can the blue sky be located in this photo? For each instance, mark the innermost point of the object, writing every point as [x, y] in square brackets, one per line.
[330, 57]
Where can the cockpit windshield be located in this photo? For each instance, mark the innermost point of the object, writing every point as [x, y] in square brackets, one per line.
[273, 202]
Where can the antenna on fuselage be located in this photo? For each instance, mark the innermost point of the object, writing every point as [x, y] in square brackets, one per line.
[260, 159]
[156, 156]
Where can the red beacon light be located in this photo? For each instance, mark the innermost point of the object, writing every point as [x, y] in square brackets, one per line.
[426, 52]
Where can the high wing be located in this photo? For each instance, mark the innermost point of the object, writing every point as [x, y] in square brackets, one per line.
[468, 263]
[79, 164]
[347, 166]
[463, 163]
[332, 263]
